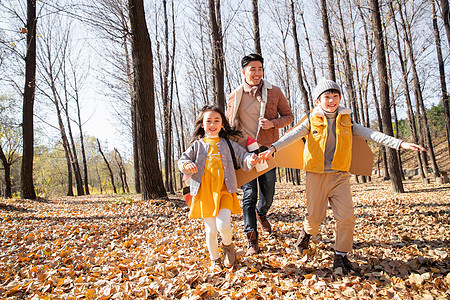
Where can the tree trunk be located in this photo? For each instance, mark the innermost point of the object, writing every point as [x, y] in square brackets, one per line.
[394, 168]
[123, 172]
[218, 56]
[83, 152]
[129, 63]
[369, 57]
[76, 165]
[309, 48]
[369, 54]
[167, 107]
[27, 185]
[446, 17]
[256, 34]
[328, 41]
[411, 121]
[418, 95]
[299, 59]
[441, 73]
[393, 104]
[111, 174]
[348, 68]
[7, 173]
[151, 178]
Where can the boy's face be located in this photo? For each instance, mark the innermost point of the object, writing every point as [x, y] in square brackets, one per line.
[253, 72]
[329, 102]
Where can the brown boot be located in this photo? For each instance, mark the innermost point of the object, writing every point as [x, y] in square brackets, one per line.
[229, 255]
[252, 238]
[264, 223]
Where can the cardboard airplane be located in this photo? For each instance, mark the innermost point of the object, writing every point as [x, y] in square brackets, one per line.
[292, 157]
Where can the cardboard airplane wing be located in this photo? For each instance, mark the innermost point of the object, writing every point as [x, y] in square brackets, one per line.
[292, 157]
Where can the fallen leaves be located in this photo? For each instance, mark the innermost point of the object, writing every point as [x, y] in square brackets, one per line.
[106, 247]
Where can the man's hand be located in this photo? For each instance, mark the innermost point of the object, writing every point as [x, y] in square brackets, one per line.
[266, 124]
[263, 156]
[191, 167]
[254, 159]
[411, 146]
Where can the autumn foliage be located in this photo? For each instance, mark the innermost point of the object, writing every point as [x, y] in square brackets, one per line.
[120, 247]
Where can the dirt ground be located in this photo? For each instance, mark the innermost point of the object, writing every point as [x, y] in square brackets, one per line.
[120, 247]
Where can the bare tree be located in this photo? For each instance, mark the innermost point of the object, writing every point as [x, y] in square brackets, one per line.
[394, 167]
[446, 17]
[111, 174]
[309, 48]
[445, 95]
[369, 53]
[28, 191]
[299, 59]
[348, 72]
[151, 177]
[257, 36]
[418, 92]
[411, 121]
[218, 55]
[328, 40]
[122, 171]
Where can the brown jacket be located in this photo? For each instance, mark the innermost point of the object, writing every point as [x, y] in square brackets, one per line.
[277, 110]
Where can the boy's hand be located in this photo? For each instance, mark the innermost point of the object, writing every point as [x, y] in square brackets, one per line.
[411, 146]
[191, 167]
[254, 159]
[263, 156]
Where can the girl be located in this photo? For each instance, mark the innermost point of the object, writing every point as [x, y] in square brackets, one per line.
[213, 181]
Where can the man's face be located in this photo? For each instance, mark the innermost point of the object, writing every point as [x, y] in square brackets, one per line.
[329, 102]
[253, 72]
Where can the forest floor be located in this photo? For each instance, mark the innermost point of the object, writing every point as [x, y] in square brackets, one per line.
[120, 247]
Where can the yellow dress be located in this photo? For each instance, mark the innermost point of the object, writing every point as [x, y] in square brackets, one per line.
[213, 194]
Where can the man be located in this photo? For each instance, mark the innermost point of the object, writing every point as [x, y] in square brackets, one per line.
[258, 109]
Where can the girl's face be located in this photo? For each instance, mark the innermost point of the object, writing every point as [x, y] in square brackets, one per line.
[329, 102]
[212, 122]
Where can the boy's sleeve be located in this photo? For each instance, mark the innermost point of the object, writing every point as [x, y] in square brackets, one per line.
[293, 135]
[376, 136]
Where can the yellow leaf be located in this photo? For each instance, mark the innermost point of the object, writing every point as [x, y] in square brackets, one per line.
[59, 281]
[12, 291]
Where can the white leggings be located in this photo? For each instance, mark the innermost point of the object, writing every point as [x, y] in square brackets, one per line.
[221, 223]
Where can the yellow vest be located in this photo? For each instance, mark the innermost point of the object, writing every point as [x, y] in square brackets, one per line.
[313, 156]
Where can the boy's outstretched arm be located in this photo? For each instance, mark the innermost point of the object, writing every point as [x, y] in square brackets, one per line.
[411, 146]
[263, 156]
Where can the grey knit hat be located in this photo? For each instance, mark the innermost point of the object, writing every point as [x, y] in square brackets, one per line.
[324, 85]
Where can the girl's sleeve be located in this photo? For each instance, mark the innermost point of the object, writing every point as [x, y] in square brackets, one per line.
[243, 157]
[186, 157]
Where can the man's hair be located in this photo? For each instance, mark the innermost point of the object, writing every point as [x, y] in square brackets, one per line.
[251, 57]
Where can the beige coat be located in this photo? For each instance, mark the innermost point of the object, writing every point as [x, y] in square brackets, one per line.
[277, 110]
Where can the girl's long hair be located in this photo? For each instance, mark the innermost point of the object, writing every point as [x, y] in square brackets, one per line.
[225, 132]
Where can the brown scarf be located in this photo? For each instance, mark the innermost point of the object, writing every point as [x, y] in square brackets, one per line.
[255, 90]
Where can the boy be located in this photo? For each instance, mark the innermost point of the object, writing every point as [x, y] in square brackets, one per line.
[326, 160]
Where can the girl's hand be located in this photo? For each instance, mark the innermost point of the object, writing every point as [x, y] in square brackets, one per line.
[191, 167]
[411, 146]
[263, 156]
[254, 159]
